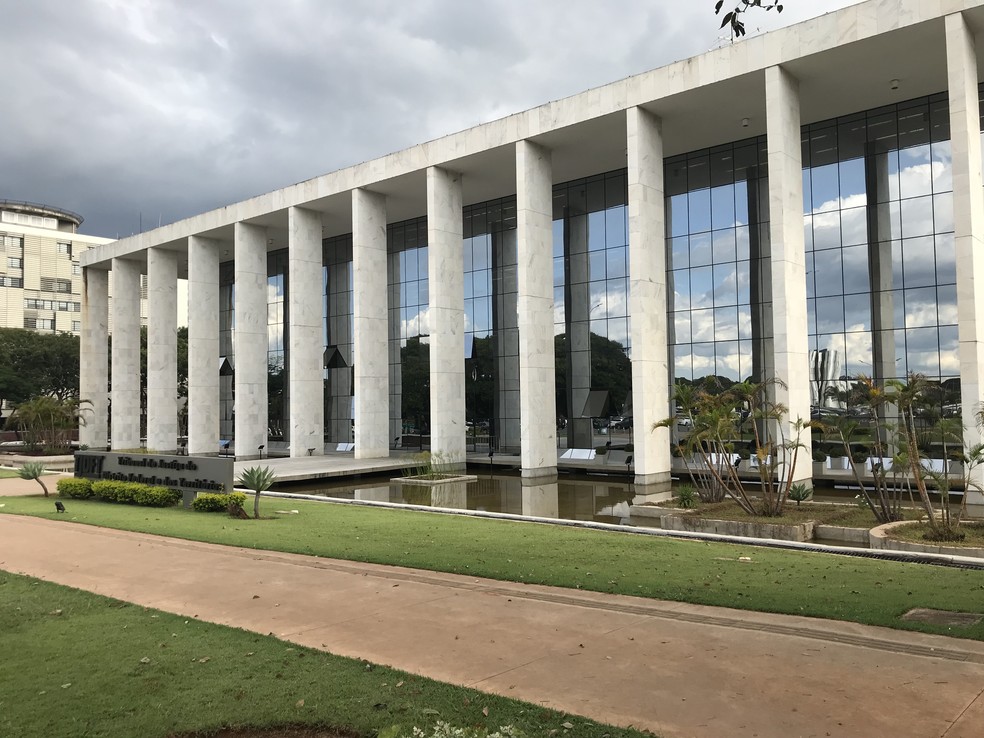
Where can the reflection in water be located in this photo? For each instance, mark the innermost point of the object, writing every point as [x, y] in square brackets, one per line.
[605, 501]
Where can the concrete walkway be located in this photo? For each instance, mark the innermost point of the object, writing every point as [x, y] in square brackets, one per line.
[675, 669]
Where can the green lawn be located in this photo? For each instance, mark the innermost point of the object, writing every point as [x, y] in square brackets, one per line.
[820, 585]
[8, 473]
[77, 664]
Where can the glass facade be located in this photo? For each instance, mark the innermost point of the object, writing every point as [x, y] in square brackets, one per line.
[717, 234]
[227, 326]
[880, 272]
[337, 338]
[881, 268]
[278, 384]
[491, 324]
[591, 309]
[409, 334]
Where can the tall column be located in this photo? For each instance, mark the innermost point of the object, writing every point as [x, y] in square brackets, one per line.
[307, 350]
[94, 356]
[371, 362]
[203, 345]
[125, 396]
[446, 316]
[537, 381]
[968, 225]
[788, 259]
[162, 350]
[250, 340]
[647, 298]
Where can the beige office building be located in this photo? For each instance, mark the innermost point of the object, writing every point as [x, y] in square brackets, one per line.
[40, 276]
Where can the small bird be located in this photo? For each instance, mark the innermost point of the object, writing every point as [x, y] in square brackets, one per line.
[59, 506]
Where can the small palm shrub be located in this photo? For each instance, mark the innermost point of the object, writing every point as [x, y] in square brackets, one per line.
[687, 497]
[258, 479]
[800, 493]
[34, 470]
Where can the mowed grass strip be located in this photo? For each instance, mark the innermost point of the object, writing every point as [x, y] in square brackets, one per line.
[800, 583]
[78, 664]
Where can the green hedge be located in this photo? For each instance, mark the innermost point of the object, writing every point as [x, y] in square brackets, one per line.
[127, 493]
[75, 487]
[217, 501]
[156, 496]
[111, 491]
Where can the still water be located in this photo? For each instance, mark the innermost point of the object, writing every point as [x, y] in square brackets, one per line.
[599, 499]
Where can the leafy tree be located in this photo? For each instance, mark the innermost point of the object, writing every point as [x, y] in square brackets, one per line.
[734, 16]
[258, 479]
[38, 364]
[47, 423]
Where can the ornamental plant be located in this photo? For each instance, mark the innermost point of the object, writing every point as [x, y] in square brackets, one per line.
[919, 422]
[718, 420]
[34, 470]
[258, 479]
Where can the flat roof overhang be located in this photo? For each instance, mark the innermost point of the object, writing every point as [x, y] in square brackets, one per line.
[701, 101]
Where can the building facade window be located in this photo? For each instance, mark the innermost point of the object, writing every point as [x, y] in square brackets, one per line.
[409, 332]
[717, 256]
[591, 309]
[881, 268]
[337, 332]
[64, 248]
[15, 262]
[491, 323]
[278, 381]
[227, 323]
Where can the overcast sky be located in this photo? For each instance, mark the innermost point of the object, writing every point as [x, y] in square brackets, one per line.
[131, 111]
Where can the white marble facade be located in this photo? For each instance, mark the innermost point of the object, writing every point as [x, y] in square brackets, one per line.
[768, 86]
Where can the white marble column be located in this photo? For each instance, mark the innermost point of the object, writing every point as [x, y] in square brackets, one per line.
[307, 349]
[370, 316]
[162, 350]
[250, 355]
[125, 431]
[647, 299]
[534, 235]
[446, 315]
[968, 224]
[94, 359]
[203, 345]
[788, 260]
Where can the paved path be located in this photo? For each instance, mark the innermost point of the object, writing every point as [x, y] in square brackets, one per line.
[675, 669]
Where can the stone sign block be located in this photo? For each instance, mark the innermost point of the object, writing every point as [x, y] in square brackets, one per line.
[185, 473]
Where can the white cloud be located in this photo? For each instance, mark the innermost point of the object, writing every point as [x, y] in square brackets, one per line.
[165, 108]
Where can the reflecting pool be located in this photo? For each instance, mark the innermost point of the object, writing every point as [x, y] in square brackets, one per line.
[600, 499]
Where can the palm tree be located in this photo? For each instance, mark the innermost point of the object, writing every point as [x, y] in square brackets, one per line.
[258, 479]
[47, 422]
[34, 470]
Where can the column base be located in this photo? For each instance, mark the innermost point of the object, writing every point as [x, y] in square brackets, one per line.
[653, 483]
[371, 453]
[540, 474]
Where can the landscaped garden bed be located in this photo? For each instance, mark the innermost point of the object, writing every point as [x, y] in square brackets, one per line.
[912, 536]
